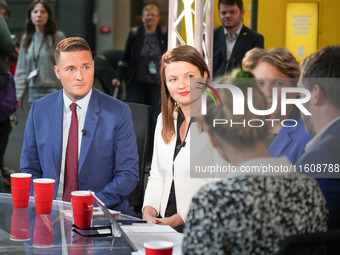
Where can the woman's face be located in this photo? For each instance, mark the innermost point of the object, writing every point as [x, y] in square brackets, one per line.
[268, 77]
[178, 75]
[151, 17]
[39, 15]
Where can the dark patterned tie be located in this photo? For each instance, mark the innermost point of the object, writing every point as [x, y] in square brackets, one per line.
[71, 159]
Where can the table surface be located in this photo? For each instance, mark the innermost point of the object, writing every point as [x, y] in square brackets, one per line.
[52, 233]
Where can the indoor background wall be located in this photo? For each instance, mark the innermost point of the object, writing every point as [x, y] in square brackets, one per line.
[271, 22]
[329, 23]
[75, 17]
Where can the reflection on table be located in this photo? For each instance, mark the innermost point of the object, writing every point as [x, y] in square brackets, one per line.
[22, 231]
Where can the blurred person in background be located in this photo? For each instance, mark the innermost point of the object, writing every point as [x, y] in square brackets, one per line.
[278, 68]
[250, 212]
[8, 105]
[36, 55]
[7, 46]
[233, 39]
[138, 66]
[7, 56]
[320, 75]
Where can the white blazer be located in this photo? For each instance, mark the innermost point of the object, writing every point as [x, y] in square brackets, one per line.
[161, 174]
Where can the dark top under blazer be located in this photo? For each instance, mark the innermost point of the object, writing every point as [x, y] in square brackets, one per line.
[128, 64]
[246, 40]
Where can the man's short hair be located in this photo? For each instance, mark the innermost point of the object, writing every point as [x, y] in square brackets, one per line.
[322, 68]
[239, 3]
[5, 6]
[71, 44]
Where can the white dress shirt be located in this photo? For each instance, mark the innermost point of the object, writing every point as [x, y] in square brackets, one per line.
[82, 105]
[230, 41]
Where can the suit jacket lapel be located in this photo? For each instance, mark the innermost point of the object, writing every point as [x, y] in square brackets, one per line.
[222, 42]
[239, 42]
[91, 120]
[56, 119]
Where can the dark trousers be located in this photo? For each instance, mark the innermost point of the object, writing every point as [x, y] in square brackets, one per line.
[149, 94]
[5, 130]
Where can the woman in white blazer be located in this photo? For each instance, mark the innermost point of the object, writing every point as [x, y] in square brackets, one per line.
[170, 186]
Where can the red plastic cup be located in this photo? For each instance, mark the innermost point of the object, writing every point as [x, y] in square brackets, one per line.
[20, 225]
[82, 208]
[158, 248]
[43, 194]
[21, 185]
[43, 236]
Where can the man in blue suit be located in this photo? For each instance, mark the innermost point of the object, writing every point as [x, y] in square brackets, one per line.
[321, 160]
[232, 40]
[108, 159]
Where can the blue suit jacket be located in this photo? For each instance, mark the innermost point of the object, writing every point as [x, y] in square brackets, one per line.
[291, 141]
[326, 151]
[247, 40]
[108, 160]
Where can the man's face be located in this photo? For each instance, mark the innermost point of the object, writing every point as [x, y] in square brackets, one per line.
[230, 15]
[307, 119]
[75, 70]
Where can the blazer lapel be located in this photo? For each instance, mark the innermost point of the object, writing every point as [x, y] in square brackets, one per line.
[56, 119]
[282, 144]
[285, 136]
[90, 125]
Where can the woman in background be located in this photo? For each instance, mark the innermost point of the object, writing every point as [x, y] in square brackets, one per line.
[251, 212]
[139, 63]
[278, 68]
[170, 189]
[35, 67]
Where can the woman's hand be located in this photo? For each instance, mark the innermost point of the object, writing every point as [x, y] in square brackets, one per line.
[173, 221]
[149, 213]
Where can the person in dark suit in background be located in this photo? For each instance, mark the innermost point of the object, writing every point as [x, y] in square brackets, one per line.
[232, 40]
[106, 159]
[320, 75]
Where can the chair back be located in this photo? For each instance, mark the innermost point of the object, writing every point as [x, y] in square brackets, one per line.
[320, 243]
[113, 57]
[141, 122]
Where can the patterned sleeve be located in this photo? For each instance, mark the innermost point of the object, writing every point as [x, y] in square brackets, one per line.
[201, 234]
